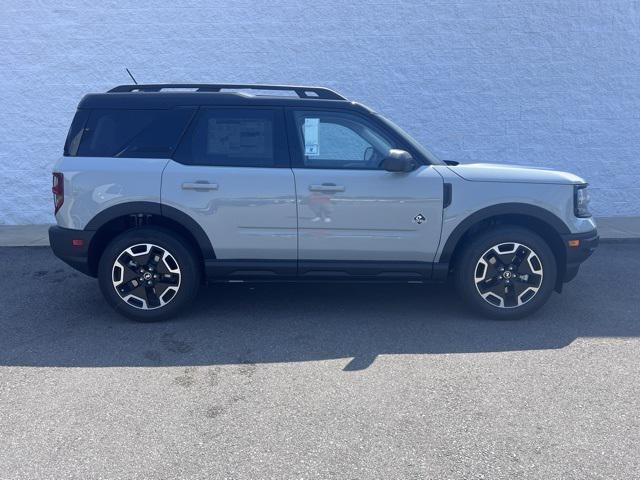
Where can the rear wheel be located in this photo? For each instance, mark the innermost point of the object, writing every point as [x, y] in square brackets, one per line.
[148, 274]
[506, 273]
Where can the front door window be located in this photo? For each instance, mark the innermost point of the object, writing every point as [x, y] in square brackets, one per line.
[338, 140]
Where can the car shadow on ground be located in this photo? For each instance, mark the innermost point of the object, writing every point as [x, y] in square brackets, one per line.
[53, 316]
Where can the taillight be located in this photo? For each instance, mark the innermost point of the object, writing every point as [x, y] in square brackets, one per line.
[58, 190]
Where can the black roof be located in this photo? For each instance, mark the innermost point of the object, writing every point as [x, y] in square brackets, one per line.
[162, 96]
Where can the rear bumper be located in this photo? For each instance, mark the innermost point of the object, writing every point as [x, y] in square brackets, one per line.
[575, 255]
[75, 254]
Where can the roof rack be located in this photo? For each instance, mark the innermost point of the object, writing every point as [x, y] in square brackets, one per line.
[301, 91]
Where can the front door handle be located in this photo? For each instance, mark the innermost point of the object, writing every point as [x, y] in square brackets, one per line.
[202, 186]
[327, 187]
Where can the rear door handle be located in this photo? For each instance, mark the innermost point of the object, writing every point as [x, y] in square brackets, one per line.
[203, 186]
[327, 187]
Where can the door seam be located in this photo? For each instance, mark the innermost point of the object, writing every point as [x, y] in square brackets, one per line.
[295, 191]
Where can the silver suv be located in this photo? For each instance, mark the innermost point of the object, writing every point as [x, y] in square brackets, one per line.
[163, 187]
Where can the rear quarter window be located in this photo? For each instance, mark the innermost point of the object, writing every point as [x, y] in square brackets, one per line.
[132, 133]
[75, 133]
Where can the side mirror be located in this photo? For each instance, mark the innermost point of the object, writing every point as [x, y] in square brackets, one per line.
[398, 161]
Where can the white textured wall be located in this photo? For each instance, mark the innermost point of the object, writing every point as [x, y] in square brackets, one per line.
[550, 83]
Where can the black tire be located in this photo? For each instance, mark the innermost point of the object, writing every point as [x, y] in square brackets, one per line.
[178, 274]
[516, 295]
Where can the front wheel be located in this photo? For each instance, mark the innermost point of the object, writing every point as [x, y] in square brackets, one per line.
[506, 273]
[148, 274]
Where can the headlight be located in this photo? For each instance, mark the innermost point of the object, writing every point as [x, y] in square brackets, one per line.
[581, 200]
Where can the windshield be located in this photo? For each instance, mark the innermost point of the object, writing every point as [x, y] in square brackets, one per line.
[411, 141]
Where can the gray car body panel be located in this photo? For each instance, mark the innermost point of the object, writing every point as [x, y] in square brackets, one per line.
[470, 197]
[249, 213]
[94, 184]
[255, 213]
[493, 172]
[372, 217]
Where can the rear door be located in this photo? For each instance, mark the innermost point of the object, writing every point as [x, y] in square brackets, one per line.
[352, 210]
[232, 174]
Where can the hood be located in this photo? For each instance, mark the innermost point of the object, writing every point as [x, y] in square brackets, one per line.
[493, 172]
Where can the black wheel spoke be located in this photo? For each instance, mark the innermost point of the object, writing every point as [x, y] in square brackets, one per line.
[510, 295]
[155, 255]
[491, 284]
[127, 287]
[128, 261]
[152, 297]
[535, 279]
[519, 257]
[493, 259]
[532, 279]
[168, 278]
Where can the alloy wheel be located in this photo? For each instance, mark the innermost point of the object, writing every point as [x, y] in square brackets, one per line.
[508, 275]
[146, 276]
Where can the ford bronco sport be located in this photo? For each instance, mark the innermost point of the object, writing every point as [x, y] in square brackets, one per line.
[163, 187]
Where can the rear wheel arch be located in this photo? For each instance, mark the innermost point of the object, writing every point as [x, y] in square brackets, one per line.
[117, 219]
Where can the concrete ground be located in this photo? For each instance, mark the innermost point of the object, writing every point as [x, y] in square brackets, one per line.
[319, 382]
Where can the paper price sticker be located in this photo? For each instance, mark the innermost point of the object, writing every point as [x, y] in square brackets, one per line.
[311, 142]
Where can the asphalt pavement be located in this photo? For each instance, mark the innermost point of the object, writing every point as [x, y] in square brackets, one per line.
[319, 381]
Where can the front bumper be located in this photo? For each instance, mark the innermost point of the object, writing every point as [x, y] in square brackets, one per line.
[578, 247]
[72, 247]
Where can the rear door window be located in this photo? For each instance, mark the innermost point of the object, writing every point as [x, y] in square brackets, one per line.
[235, 137]
[133, 133]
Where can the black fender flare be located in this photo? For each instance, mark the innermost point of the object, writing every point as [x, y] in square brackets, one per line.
[522, 209]
[156, 209]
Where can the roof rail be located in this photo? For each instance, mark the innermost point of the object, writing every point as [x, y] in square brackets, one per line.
[301, 91]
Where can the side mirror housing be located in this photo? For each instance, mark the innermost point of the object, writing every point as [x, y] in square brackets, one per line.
[398, 161]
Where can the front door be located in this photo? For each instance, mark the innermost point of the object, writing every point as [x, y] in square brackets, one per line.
[231, 174]
[349, 208]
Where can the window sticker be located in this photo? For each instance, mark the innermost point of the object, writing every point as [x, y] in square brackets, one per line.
[238, 137]
[311, 145]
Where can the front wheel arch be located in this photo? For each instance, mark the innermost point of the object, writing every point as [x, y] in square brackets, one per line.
[546, 227]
